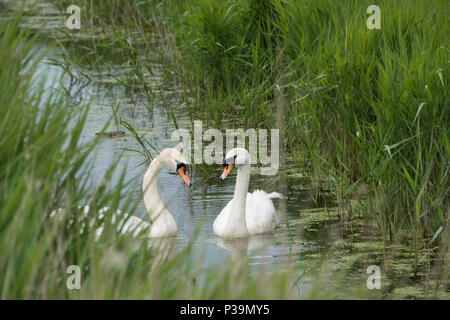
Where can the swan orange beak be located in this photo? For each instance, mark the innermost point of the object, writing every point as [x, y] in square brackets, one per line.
[181, 171]
[226, 171]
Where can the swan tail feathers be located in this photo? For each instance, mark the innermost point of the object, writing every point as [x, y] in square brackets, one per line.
[275, 195]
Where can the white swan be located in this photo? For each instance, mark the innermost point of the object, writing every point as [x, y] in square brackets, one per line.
[163, 224]
[247, 213]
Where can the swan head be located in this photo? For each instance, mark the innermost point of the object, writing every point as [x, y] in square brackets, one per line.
[234, 158]
[173, 159]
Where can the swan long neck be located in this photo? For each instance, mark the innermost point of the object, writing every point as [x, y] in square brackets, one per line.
[237, 220]
[153, 203]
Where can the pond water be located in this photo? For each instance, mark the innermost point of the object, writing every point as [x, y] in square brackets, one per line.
[307, 233]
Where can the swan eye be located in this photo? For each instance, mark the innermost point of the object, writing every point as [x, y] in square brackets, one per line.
[181, 165]
[186, 168]
[228, 161]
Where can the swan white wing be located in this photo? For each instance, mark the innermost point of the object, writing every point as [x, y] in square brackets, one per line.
[222, 219]
[135, 225]
[132, 224]
[261, 215]
[273, 195]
